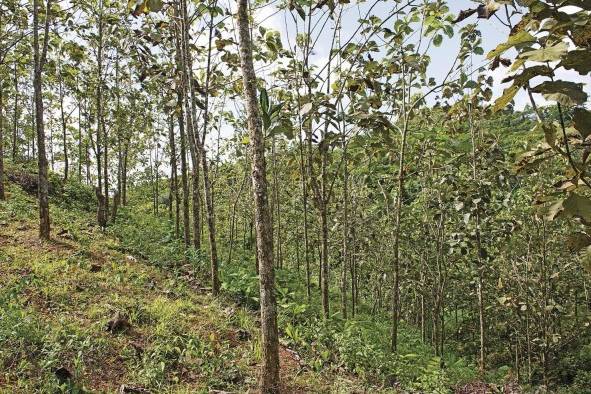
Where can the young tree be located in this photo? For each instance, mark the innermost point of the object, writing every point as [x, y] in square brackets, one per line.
[269, 380]
[40, 57]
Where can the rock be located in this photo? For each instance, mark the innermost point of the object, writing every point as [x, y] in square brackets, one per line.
[243, 335]
[65, 234]
[117, 323]
[124, 388]
[62, 375]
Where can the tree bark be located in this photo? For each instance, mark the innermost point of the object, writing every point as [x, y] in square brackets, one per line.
[2, 194]
[269, 381]
[15, 126]
[174, 189]
[184, 174]
[39, 58]
[102, 214]
[64, 125]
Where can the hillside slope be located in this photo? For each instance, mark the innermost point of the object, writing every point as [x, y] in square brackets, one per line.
[81, 314]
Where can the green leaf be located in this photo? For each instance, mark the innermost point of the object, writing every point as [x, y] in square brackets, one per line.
[582, 121]
[574, 205]
[549, 131]
[264, 101]
[437, 40]
[565, 92]
[285, 128]
[518, 39]
[506, 98]
[529, 73]
[577, 241]
[547, 54]
[155, 5]
[579, 61]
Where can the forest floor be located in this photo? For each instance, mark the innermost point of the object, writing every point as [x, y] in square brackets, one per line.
[81, 314]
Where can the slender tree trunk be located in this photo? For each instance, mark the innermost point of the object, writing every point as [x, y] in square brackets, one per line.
[174, 189]
[15, 125]
[397, 230]
[479, 254]
[64, 127]
[124, 171]
[102, 215]
[233, 217]
[353, 271]
[39, 56]
[215, 281]
[118, 132]
[79, 139]
[305, 207]
[33, 120]
[345, 245]
[184, 177]
[324, 261]
[184, 60]
[2, 194]
[269, 382]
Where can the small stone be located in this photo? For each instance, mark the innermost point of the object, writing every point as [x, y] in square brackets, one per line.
[117, 323]
[63, 375]
[124, 388]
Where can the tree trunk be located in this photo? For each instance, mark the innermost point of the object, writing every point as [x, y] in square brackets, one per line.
[397, 221]
[116, 201]
[345, 224]
[305, 206]
[64, 127]
[79, 139]
[102, 215]
[15, 126]
[479, 254]
[2, 194]
[184, 180]
[174, 189]
[269, 381]
[40, 55]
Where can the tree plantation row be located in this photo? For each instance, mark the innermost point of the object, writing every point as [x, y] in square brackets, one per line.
[371, 155]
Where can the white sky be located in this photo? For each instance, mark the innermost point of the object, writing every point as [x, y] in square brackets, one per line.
[493, 33]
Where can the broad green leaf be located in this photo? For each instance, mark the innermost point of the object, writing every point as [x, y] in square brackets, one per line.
[549, 130]
[264, 101]
[577, 241]
[575, 205]
[506, 98]
[529, 73]
[582, 121]
[437, 40]
[547, 54]
[518, 39]
[579, 61]
[565, 92]
[155, 5]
